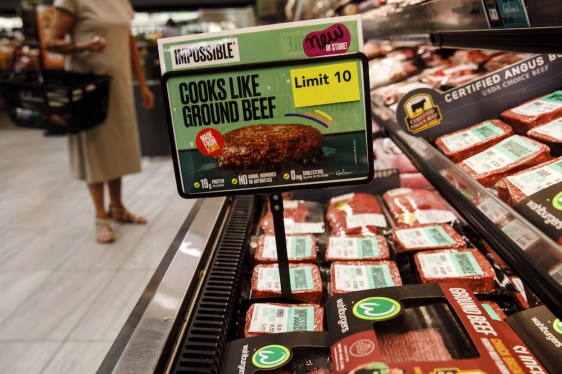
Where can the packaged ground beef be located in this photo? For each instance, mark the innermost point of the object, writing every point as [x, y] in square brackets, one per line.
[466, 266]
[534, 113]
[348, 276]
[505, 158]
[464, 143]
[423, 345]
[300, 248]
[273, 318]
[516, 187]
[293, 210]
[416, 207]
[355, 214]
[357, 248]
[426, 238]
[306, 284]
[389, 156]
[549, 133]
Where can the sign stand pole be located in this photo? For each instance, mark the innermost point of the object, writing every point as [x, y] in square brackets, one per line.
[276, 204]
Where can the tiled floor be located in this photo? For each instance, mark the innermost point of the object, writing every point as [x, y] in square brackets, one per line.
[63, 297]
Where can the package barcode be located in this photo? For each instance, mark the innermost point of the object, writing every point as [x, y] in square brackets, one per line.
[300, 247]
[300, 279]
[378, 277]
[368, 250]
[465, 264]
[300, 320]
[438, 236]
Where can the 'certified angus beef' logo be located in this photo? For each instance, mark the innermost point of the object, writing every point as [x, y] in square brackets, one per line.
[205, 53]
[271, 356]
[377, 308]
[421, 113]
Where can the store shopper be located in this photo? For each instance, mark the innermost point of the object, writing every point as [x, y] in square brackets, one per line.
[99, 41]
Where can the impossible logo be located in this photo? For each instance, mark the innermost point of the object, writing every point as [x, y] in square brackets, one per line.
[377, 308]
[421, 113]
[271, 356]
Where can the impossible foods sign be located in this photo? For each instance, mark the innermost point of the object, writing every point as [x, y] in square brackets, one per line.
[272, 126]
[269, 108]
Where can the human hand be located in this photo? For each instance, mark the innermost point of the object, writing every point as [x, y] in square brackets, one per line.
[97, 44]
[147, 97]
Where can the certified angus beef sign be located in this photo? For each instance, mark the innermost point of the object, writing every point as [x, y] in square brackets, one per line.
[241, 125]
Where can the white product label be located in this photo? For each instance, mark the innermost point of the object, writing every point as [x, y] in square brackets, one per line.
[361, 277]
[353, 248]
[398, 191]
[556, 273]
[493, 210]
[276, 319]
[293, 227]
[297, 247]
[424, 237]
[449, 265]
[339, 199]
[552, 129]
[459, 68]
[536, 180]
[519, 285]
[205, 53]
[290, 204]
[520, 234]
[546, 104]
[435, 216]
[501, 155]
[300, 279]
[469, 138]
[368, 219]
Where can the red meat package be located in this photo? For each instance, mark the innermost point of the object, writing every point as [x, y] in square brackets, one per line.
[416, 207]
[415, 180]
[505, 158]
[521, 185]
[466, 266]
[355, 214]
[272, 318]
[300, 248]
[464, 143]
[357, 248]
[549, 133]
[292, 210]
[306, 284]
[426, 238]
[348, 276]
[534, 113]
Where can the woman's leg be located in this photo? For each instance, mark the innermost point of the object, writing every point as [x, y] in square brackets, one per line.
[96, 191]
[104, 233]
[117, 210]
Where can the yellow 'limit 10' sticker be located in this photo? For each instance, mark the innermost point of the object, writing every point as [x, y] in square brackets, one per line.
[325, 84]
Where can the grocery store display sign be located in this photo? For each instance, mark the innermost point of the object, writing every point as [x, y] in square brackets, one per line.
[254, 123]
[431, 113]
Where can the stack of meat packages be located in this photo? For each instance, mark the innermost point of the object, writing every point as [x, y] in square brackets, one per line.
[407, 236]
[517, 154]
[439, 72]
[306, 283]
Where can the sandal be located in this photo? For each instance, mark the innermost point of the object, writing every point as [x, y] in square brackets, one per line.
[124, 216]
[104, 232]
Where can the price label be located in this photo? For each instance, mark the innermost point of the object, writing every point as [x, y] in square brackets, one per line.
[325, 84]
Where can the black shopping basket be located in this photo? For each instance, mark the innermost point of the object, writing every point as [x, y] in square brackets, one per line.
[57, 101]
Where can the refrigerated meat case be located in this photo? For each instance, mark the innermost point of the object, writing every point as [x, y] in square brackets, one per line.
[182, 321]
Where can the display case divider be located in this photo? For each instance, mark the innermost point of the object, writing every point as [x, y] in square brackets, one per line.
[276, 204]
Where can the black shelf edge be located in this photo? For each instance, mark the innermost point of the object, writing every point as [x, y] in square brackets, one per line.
[540, 282]
[527, 40]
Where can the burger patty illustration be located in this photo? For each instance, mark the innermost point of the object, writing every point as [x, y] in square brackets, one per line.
[270, 145]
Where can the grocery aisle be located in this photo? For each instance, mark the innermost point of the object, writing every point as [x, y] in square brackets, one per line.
[63, 297]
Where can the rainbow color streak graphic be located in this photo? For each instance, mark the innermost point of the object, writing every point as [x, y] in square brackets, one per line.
[318, 116]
